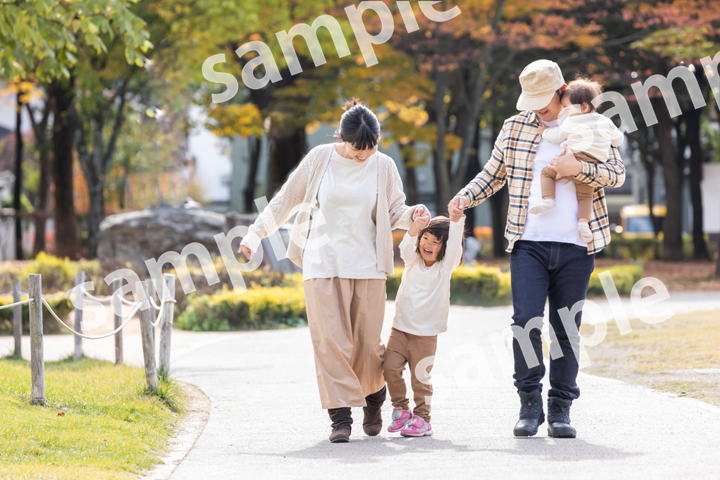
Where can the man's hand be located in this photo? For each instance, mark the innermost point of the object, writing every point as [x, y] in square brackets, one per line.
[245, 251]
[566, 165]
[456, 207]
[455, 214]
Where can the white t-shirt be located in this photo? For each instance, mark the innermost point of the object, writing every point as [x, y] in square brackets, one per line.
[423, 299]
[347, 198]
[559, 224]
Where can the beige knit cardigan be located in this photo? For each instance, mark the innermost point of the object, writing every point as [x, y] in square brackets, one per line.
[302, 187]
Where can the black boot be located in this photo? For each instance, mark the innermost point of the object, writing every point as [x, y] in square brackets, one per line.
[531, 414]
[372, 421]
[341, 424]
[559, 418]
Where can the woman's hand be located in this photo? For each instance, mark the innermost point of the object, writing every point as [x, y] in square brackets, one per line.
[245, 251]
[420, 211]
[421, 220]
[566, 165]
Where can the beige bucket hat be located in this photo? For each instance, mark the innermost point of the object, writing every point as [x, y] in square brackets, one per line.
[539, 81]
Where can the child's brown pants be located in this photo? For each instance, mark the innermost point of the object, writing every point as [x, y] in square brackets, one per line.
[584, 191]
[405, 348]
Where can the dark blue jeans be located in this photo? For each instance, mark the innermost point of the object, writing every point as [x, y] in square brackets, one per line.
[559, 272]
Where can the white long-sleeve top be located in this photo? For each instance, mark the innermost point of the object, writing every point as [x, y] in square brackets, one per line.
[423, 299]
[591, 133]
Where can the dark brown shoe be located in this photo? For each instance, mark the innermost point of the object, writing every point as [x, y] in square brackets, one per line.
[341, 424]
[372, 421]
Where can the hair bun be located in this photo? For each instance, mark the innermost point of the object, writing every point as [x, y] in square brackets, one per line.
[352, 103]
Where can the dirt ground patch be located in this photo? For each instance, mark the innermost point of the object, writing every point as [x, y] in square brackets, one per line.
[680, 355]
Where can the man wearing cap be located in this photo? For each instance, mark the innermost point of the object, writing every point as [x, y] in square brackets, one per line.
[548, 259]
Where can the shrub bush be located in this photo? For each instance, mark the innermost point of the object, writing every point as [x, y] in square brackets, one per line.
[256, 309]
[486, 285]
[632, 248]
[481, 285]
[624, 276]
[62, 306]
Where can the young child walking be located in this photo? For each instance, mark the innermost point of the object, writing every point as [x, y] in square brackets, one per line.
[431, 250]
[590, 136]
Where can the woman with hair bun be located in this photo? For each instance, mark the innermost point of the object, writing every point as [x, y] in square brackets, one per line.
[350, 198]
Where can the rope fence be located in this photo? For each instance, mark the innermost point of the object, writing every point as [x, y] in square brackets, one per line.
[165, 312]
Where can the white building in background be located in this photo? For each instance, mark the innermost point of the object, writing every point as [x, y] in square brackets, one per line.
[213, 164]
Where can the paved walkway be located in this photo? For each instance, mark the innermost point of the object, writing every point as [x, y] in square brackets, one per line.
[266, 420]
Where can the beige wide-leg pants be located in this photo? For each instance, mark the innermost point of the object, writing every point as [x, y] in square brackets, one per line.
[345, 317]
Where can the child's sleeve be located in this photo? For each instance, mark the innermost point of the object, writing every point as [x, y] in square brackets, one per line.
[555, 135]
[617, 138]
[454, 250]
[407, 249]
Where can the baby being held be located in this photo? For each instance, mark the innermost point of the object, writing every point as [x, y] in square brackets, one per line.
[589, 135]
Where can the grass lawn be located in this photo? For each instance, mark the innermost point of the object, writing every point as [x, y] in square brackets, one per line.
[678, 355]
[98, 422]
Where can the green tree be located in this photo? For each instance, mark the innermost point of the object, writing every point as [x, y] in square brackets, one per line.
[42, 38]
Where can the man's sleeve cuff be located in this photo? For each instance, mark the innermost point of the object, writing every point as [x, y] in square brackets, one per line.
[587, 171]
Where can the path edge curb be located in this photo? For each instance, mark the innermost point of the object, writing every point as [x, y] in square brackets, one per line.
[188, 429]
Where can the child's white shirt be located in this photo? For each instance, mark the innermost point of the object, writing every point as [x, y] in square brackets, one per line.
[591, 133]
[422, 304]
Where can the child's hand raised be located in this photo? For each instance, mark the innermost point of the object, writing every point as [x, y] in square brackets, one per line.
[422, 217]
[541, 129]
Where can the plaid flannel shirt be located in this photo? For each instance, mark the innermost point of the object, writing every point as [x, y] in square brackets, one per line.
[511, 163]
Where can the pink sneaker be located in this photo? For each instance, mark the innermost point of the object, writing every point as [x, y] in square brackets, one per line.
[400, 418]
[417, 428]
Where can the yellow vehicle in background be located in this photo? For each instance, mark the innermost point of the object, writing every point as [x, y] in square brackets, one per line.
[636, 221]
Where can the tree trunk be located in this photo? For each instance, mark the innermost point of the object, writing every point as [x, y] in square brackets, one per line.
[93, 169]
[442, 179]
[41, 210]
[122, 189]
[95, 216]
[66, 235]
[43, 146]
[286, 151]
[17, 194]
[672, 230]
[410, 183]
[471, 171]
[254, 144]
[692, 122]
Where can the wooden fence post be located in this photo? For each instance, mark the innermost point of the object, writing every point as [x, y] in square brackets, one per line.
[166, 324]
[37, 364]
[17, 318]
[117, 307]
[151, 296]
[146, 319]
[79, 280]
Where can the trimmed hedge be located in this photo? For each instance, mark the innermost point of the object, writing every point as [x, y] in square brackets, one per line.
[283, 307]
[481, 285]
[256, 309]
[624, 276]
